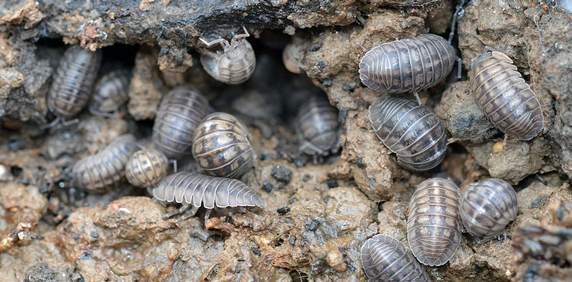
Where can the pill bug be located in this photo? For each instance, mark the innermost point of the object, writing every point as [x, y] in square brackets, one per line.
[179, 114]
[407, 65]
[317, 127]
[487, 207]
[72, 83]
[386, 259]
[105, 170]
[111, 92]
[410, 130]
[505, 97]
[434, 222]
[235, 64]
[221, 146]
[196, 190]
[146, 168]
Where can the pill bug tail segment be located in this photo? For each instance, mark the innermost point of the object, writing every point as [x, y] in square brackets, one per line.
[385, 259]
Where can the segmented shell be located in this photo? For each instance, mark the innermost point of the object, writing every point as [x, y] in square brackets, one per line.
[234, 65]
[317, 127]
[201, 190]
[179, 114]
[111, 92]
[407, 65]
[434, 221]
[487, 207]
[104, 171]
[385, 259]
[73, 81]
[146, 168]
[505, 97]
[409, 130]
[221, 146]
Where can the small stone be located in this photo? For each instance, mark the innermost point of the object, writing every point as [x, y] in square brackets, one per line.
[267, 185]
[332, 183]
[313, 226]
[281, 174]
[336, 260]
[283, 210]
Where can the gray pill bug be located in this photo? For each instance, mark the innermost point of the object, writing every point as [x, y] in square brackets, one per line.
[72, 84]
[235, 64]
[105, 171]
[110, 93]
[317, 127]
[179, 114]
[434, 221]
[221, 146]
[385, 259]
[410, 130]
[487, 207]
[505, 97]
[146, 168]
[196, 190]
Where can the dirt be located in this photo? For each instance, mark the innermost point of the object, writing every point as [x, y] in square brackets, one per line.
[317, 215]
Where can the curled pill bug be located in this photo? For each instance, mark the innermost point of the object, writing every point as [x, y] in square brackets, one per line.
[104, 171]
[385, 259]
[196, 190]
[111, 92]
[317, 127]
[179, 114]
[434, 221]
[504, 96]
[487, 207]
[72, 83]
[221, 146]
[410, 130]
[146, 168]
[235, 64]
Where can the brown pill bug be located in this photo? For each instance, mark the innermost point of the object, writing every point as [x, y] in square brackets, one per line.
[221, 146]
[179, 114]
[105, 170]
[410, 130]
[73, 83]
[111, 92]
[317, 127]
[505, 97]
[196, 190]
[235, 64]
[146, 168]
[487, 207]
[407, 65]
[385, 259]
[434, 221]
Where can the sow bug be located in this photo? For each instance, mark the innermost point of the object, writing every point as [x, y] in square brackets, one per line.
[179, 114]
[146, 168]
[505, 97]
[111, 92]
[410, 130]
[105, 170]
[72, 83]
[410, 65]
[386, 259]
[487, 207]
[221, 146]
[198, 190]
[235, 64]
[434, 223]
[317, 127]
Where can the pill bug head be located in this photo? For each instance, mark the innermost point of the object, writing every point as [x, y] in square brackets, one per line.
[434, 220]
[386, 259]
[317, 127]
[410, 130]
[221, 146]
[504, 96]
[146, 168]
[487, 207]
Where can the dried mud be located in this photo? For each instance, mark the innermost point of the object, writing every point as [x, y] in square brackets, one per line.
[317, 215]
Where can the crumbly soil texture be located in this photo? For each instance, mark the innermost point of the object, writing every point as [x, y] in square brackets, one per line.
[319, 210]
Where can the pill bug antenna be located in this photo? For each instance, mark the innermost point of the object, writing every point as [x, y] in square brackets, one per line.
[459, 11]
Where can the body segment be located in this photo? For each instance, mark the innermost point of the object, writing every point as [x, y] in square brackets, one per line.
[317, 127]
[146, 168]
[110, 93]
